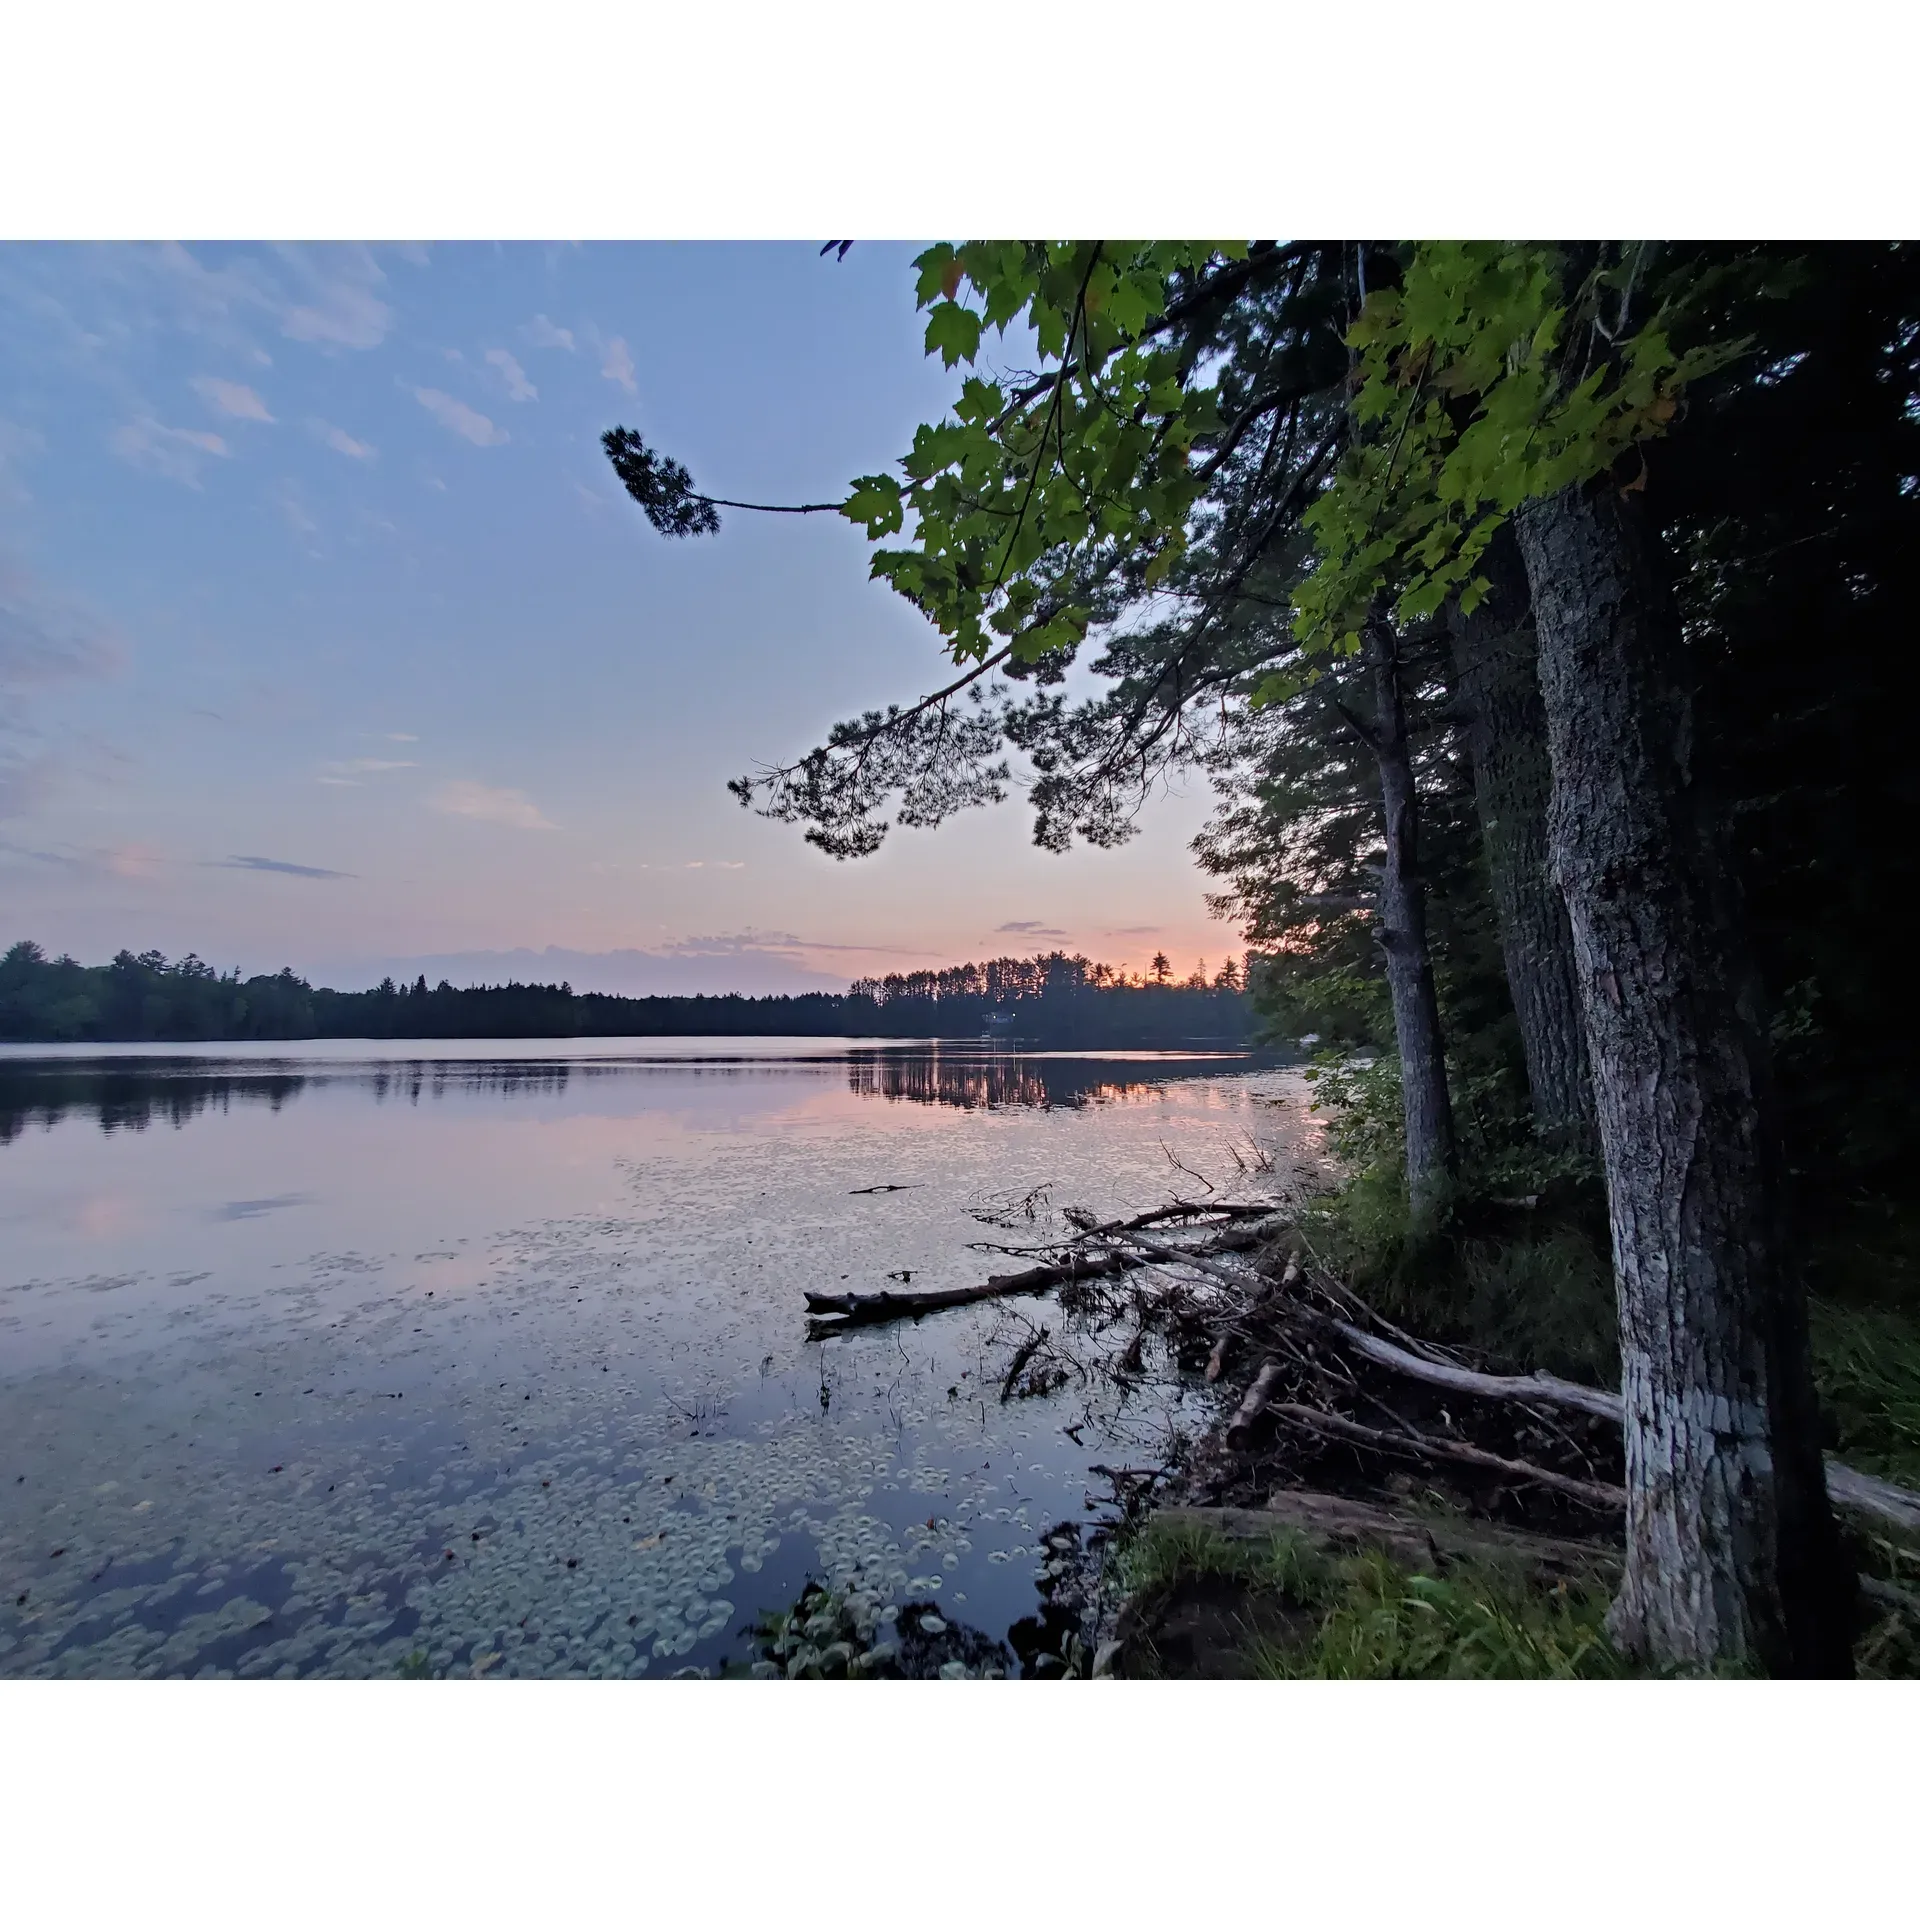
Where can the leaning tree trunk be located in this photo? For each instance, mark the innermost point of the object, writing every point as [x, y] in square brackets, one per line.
[1402, 934]
[1732, 1551]
[1495, 656]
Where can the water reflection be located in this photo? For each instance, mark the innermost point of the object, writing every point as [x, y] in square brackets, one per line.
[130, 1098]
[936, 1077]
[131, 1093]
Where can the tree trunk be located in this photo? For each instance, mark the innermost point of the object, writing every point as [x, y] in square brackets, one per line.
[1495, 655]
[1732, 1552]
[1402, 933]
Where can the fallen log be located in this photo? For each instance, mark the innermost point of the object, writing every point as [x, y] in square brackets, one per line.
[1600, 1492]
[1543, 1388]
[1265, 1383]
[1202, 1262]
[859, 1309]
[1217, 1357]
[1173, 1210]
[1847, 1487]
[1876, 1499]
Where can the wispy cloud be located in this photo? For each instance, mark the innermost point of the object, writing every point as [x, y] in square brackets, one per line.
[753, 940]
[231, 398]
[518, 386]
[457, 417]
[616, 364]
[335, 303]
[259, 863]
[499, 806]
[372, 766]
[40, 855]
[341, 441]
[408, 737]
[174, 453]
[543, 333]
[1033, 927]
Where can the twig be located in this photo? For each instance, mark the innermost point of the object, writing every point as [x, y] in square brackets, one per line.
[1028, 1349]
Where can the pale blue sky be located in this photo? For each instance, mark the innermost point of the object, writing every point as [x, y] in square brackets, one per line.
[309, 559]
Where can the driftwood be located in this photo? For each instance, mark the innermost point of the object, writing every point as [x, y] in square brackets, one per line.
[861, 1309]
[1600, 1492]
[1876, 1499]
[1265, 1383]
[1163, 1255]
[1847, 1487]
[1173, 1210]
[1217, 1358]
[1543, 1388]
[1028, 1349]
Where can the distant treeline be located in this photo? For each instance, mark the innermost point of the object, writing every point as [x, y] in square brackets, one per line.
[1054, 999]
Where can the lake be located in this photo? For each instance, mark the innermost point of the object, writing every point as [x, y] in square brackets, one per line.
[490, 1357]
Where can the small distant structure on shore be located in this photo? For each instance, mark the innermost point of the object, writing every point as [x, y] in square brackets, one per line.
[998, 1026]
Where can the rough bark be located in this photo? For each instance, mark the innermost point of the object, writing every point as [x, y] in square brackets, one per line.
[1496, 660]
[1402, 934]
[1732, 1551]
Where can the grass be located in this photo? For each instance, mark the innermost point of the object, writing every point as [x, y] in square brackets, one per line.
[1376, 1621]
[1367, 1618]
[1527, 1287]
[1162, 1556]
[1867, 1363]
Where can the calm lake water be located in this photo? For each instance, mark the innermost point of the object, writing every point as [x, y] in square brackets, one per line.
[491, 1355]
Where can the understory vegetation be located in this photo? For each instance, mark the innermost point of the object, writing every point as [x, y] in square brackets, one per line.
[1362, 1617]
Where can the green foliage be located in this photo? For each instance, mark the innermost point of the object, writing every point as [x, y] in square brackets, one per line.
[1367, 1618]
[1481, 382]
[1376, 1621]
[1163, 1554]
[1011, 491]
[1365, 1120]
[1867, 1366]
[1527, 1285]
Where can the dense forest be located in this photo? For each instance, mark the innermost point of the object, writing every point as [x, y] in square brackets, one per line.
[1052, 999]
[1534, 608]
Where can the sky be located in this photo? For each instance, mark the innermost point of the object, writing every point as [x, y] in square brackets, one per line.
[328, 638]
